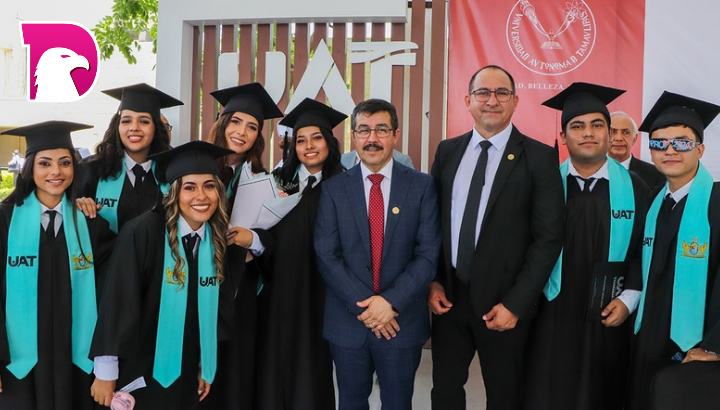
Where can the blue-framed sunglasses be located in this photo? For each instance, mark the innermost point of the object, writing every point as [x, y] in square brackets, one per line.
[661, 144]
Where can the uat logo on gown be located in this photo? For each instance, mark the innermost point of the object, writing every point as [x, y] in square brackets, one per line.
[62, 62]
[82, 262]
[170, 279]
[551, 40]
[694, 249]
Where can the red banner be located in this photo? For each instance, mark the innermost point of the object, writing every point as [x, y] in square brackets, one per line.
[546, 45]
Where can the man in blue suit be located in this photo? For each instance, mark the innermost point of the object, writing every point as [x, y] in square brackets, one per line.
[377, 240]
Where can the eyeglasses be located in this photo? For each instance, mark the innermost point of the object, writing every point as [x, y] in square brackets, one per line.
[381, 132]
[501, 94]
[168, 126]
[661, 144]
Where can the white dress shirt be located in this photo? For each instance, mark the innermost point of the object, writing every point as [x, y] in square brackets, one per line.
[45, 218]
[461, 185]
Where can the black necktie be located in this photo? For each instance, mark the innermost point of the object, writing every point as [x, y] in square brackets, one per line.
[50, 230]
[669, 203]
[467, 237]
[189, 241]
[587, 183]
[310, 181]
[139, 172]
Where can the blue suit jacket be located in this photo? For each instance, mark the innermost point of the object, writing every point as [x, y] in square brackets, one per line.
[410, 254]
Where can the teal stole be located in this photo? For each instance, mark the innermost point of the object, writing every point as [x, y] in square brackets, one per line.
[622, 216]
[22, 284]
[173, 305]
[108, 193]
[691, 262]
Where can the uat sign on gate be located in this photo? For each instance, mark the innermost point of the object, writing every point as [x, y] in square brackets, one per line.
[546, 45]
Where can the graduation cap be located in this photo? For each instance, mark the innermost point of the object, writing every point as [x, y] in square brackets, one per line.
[672, 109]
[142, 98]
[251, 99]
[195, 157]
[47, 135]
[310, 112]
[583, 98]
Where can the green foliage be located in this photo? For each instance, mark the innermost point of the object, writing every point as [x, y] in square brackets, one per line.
[6, 186]
[121, 29]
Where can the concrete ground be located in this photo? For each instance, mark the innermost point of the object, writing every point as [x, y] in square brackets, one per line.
[475, 389]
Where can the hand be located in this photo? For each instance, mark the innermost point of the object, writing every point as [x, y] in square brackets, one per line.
[88, 207]
[0, 385]
[437, 300]
[102, 391]
[240, 236]
[699, 355]
[389, 331]
[203, 387]
[500, 318]
[615, 313]
[378, 313]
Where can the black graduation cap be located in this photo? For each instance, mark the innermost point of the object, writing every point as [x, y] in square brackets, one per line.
[672, 109]
[47, 135]
[310, 112]
[142, 98]
[195, 157]
[583, 98]
[251, 99]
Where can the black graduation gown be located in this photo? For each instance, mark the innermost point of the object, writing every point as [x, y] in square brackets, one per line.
[573, 363]
[130, 204]
[128, 320]
[55, 383]
[653, 350]
[235, 379]
[293, 362]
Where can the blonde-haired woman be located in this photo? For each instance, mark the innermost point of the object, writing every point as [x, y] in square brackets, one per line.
[160, 313]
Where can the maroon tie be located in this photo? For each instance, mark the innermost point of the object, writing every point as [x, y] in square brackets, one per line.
[376, 216]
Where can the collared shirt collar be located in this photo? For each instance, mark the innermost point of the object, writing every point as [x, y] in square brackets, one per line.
[304, 174]
[186, 229]
[600, 173]
[681, 192]
[386, 171]
[130, 163]
[499, 140]
[626, 163]
[58, 208]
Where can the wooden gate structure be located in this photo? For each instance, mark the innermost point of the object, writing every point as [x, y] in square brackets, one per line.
[418, 92]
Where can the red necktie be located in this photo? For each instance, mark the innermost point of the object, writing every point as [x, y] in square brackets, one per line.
[376, 216]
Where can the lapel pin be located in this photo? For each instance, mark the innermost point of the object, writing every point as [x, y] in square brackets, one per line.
[396, 210]
[511, 157]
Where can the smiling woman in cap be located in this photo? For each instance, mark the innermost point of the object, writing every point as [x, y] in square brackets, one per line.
[52, 265]
[165, 293]
[301, 371]
[239, 128]
[120, 180]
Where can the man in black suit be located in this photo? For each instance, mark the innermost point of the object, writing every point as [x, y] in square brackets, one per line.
[496, 257]
[623, 134]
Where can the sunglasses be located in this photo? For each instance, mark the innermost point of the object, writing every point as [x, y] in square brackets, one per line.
[678, 145]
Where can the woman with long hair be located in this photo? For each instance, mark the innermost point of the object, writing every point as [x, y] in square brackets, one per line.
[165, 293]
[294, 368]
[239, 128]
[52, 268]
[120, 182]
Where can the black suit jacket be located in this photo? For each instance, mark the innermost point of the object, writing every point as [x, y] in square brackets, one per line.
[647, 172]
[522, 230]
